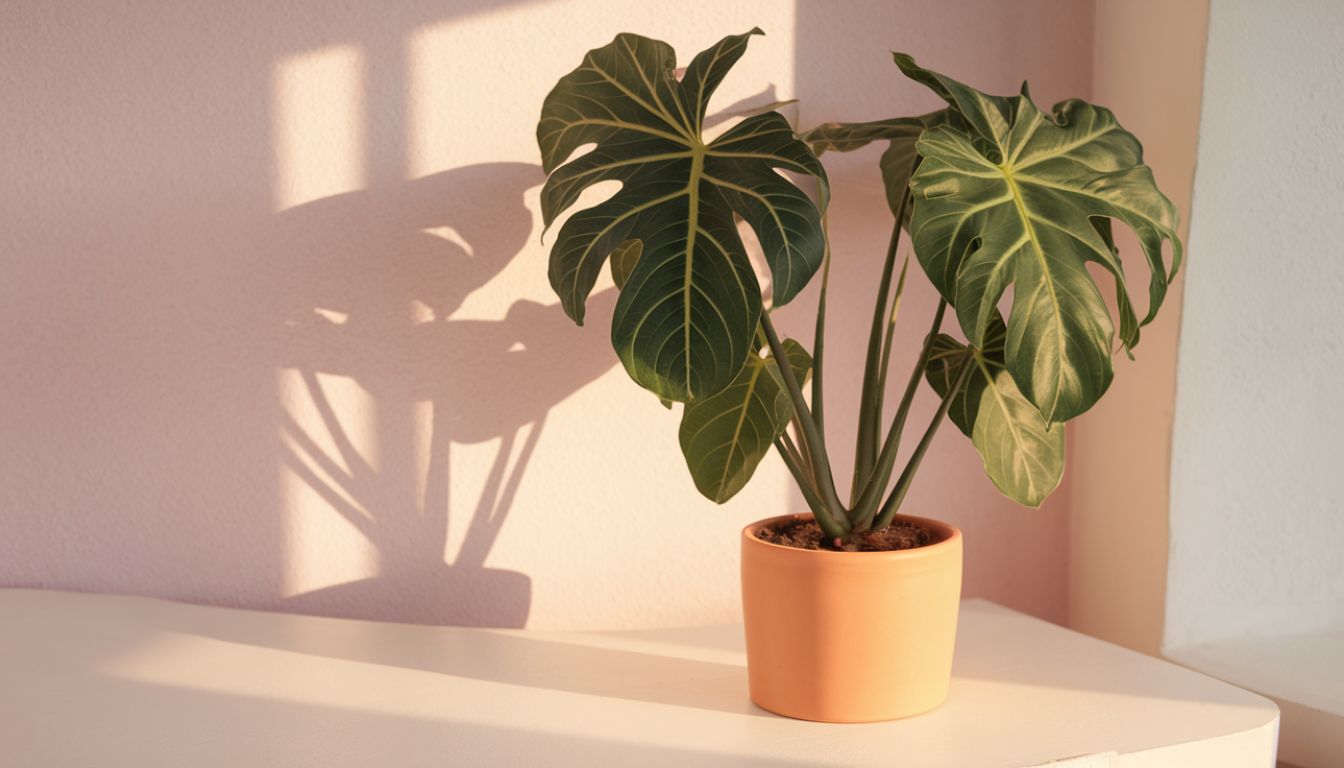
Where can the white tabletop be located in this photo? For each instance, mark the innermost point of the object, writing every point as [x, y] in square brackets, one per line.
[119, 681]
[1303, 674]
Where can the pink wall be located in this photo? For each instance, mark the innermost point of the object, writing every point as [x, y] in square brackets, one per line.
[275, 330]
[1121, 450]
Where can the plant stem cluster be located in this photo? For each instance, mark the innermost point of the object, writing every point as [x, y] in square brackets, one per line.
[805, 453]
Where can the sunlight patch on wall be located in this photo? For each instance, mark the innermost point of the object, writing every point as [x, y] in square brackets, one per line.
[453, 236]
[432, 500]
[328, 456]
[318, 128]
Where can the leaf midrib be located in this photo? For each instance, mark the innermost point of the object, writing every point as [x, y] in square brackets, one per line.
[693, 229]
[1008, 420]
[1039, 252]
[741, 418]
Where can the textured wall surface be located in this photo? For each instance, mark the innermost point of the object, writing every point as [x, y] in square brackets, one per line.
[1257, 484]
[275, 329]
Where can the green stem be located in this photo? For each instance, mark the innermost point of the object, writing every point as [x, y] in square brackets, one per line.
[891, 330]
[804, 456]
[866, 507]
[897, 496]
[865, 444]
[812, 438]
[814, 503]
[819, 337]
[791, 450]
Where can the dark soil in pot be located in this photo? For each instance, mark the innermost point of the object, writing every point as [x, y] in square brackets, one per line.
[806, 534]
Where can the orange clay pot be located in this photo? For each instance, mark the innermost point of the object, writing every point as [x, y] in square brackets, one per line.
[850, 637]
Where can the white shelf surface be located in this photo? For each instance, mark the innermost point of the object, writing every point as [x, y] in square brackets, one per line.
[1303, 674]
[121, 681]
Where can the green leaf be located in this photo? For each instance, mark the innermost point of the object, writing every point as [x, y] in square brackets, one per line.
[1023, 454]
[724, 436]
[623, 261]
[688, 309]
[799, 360]
[941, 372]
[897, 161]
[1014, 198]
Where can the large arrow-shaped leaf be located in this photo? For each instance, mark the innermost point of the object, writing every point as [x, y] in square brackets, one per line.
[688, 311]
[1015, 199]
[724, 436]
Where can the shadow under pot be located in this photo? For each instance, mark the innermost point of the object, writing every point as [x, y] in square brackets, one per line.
[850, 637]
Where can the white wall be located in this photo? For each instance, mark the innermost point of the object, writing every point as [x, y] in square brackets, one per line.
[275, 329]
[1257, 497]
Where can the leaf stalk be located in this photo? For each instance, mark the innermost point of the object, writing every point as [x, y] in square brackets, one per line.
[866, 508]
[816, 447]
[897, 496]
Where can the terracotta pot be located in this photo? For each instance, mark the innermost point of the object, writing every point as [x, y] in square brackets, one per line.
[850, 637]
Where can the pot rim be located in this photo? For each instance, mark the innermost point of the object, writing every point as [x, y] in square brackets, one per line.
[950, 541]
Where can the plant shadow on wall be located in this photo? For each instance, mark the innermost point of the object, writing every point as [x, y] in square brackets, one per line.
[374, 303]
[371, 298]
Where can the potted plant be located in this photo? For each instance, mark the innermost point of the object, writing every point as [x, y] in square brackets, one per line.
[850, 609]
